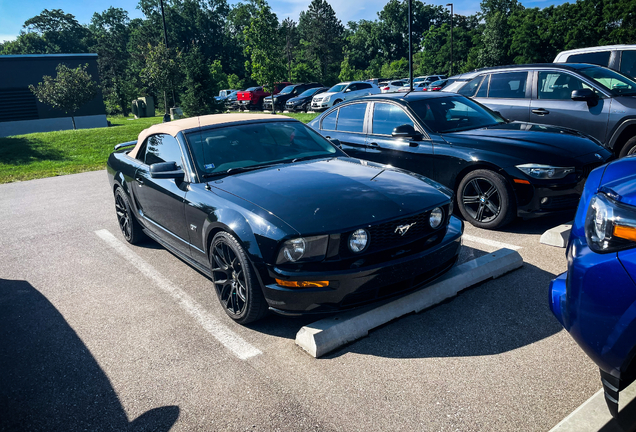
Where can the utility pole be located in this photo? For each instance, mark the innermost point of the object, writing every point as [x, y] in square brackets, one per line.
[451, 38]
[410, 48]
[166, 115]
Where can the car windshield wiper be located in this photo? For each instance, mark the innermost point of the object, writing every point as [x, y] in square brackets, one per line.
[302, 158]
[236, 170]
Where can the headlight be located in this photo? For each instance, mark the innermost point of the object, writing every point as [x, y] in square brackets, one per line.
[303, 249]
[436, 217]
[326, 99]
[609, 225]
[545, 172]
[359, 240]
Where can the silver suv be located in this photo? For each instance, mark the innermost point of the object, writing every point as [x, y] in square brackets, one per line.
[621, 58]
[592, 99]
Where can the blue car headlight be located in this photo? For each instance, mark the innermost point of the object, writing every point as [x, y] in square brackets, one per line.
[303, 249]
[609, 225]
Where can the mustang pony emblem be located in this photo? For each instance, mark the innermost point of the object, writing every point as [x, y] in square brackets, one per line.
[402, 229]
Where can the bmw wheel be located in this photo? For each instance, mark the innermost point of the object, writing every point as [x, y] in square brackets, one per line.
[485, 199]
[234, 280]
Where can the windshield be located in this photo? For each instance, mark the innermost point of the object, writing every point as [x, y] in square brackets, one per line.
[615, 82]
[309, 92]
[287, 89]
[252, 89]
[337, 88]
[257, 144]
[453, 114]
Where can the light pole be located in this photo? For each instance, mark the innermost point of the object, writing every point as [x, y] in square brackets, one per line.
[166, 116]
[451, 62]
[410, 48]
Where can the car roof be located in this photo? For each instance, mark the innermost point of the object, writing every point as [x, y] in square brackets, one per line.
[599, 48]
[174, 127]
[406, 97]
[567, 66]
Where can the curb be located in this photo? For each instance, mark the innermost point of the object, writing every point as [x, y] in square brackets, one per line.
[326, 335]
[557, 236]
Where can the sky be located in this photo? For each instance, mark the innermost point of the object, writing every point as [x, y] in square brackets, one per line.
[14, 13]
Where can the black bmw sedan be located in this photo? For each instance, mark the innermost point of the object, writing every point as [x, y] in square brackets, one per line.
[498, 169]
[279, 217]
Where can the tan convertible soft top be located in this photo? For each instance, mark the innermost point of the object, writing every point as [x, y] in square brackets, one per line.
[174, 127]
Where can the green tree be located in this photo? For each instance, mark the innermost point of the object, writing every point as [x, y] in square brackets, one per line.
[264, 47]
[322, 34]
[497, 34]
[161, 69]
[68, 91]
[347, 72]
[200, 87]
[111, 34]
[62, 32]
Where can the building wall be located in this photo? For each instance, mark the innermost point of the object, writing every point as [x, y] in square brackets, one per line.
[19, 108]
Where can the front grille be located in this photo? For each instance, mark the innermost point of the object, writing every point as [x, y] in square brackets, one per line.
[587, 169]
[384, 236]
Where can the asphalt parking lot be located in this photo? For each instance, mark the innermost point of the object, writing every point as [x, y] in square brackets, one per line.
[96, 337]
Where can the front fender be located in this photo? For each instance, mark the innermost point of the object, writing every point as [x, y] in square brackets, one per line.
[618, 129]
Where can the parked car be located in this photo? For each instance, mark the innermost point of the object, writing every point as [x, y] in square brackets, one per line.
[436, 85]
[287, 93]
[497, 169]
[594, 300]
[341, 92]
[302, 102]
[223, 94]
[621, 58]
[392, 86]
[252, 98]
[428, 79]
[231, 101]
[279, 217]
[595, 100]
[420, 86]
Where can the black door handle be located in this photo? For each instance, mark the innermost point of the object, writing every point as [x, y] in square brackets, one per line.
[540, 111]
[374, 144]
[328, 137]
[140, 181]
[413, 144]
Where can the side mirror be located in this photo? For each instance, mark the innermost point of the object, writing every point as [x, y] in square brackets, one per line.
[348, 90]
[166, 170]
[586, 95]
[406, 131]
[336, 142]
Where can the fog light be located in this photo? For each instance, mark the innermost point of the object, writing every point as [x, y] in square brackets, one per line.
[302, 284]
[544, 200]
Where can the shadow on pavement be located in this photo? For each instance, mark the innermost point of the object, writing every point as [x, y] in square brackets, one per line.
[539, 225]
[496, 316]
[49, 379]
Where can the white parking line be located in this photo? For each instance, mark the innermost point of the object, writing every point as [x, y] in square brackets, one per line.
[228, 338]
[492, 243]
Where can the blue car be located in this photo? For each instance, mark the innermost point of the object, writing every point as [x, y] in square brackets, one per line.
[595, 300]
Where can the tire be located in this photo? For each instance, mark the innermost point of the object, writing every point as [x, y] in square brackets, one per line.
[336, 102]
[485, 199]
[128, 224]
[234, 280]
[629, 148]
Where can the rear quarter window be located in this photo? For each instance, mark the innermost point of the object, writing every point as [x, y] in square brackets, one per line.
[600, 58]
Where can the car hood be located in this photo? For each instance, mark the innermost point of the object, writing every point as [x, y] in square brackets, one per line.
[327, 94]
[335, 195]
[532, 142]
[619, 178]
[300, 99]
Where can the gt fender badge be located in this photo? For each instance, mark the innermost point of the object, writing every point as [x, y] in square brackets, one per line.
[402, 229]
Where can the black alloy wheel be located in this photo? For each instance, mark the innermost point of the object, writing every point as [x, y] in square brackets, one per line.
[236, 285]
[485, 199]
[130, 228]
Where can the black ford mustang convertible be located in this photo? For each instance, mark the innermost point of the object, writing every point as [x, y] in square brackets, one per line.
[279, 217]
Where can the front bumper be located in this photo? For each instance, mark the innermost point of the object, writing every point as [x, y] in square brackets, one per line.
[319, 106]
[358, 286]
[533, 200]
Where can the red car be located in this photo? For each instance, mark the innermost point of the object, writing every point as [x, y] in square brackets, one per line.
[252, 98]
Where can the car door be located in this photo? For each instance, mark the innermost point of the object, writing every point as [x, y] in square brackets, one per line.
[161, 201]
[350, 92]
[382, 147]
[552, 104]
[346, 124]
[507, 93]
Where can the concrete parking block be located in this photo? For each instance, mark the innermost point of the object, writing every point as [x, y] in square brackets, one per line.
[326, 335]
[557, 236]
